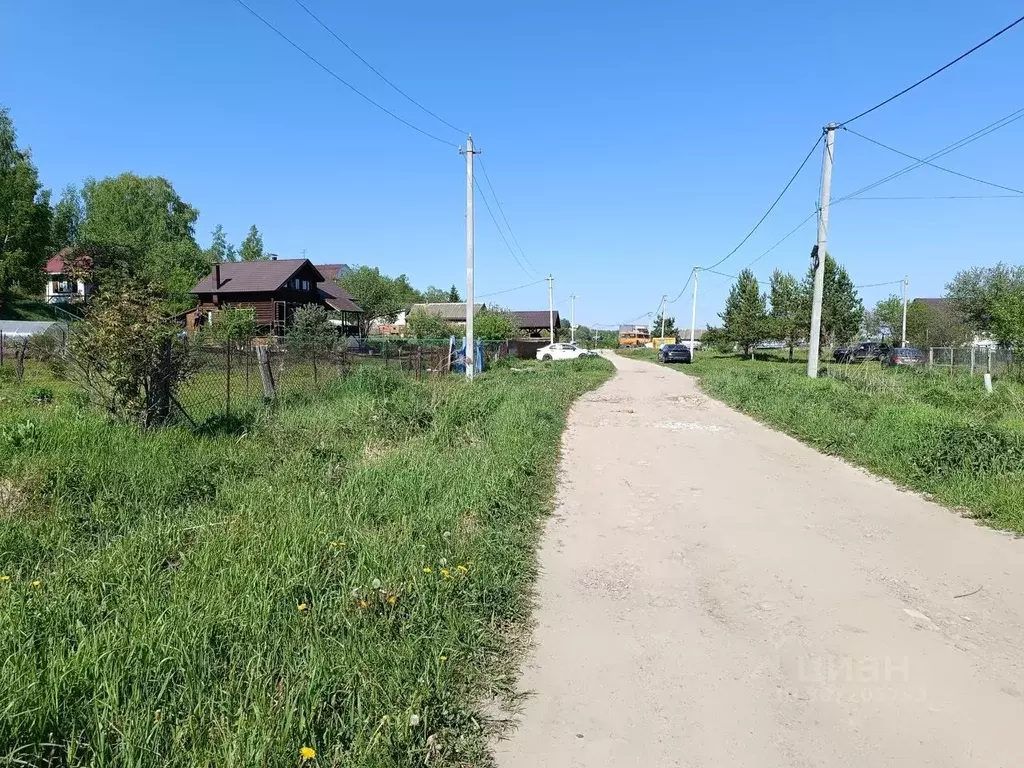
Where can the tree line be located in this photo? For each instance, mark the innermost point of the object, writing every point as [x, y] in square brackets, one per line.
[784, 312]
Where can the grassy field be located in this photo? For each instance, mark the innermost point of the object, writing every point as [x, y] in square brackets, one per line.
[936, 433]
[347, 576]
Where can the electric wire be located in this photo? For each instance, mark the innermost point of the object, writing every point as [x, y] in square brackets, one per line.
[504, 239]
[683, 289]
[925, 79]
[933, 165]
[504, 218]
[373, 69]
[944, 197]
[772, 206]
[510, 290]
[959, 144]
[340, 79]
[876, 285]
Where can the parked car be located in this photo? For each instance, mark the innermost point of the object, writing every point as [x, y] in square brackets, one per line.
[862, 353]
[674, 353]
[560, 351]
[900, 356]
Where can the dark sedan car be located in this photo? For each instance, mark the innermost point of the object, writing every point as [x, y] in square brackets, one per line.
[861, 353]
[674, 353]
[900, 356]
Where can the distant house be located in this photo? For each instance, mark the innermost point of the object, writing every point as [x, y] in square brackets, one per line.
[535, 322]
[60, 287]
[273, 289]
[453, 312]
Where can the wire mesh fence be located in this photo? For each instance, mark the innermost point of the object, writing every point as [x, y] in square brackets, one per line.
[975, 361]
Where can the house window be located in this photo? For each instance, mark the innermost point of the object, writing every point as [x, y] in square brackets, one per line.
[60, 285]
[305, 285]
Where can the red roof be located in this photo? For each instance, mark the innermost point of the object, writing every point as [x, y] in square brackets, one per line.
[254, 276]
[332, 271]
[57, 264]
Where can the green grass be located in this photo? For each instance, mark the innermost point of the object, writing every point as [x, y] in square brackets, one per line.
[178, 599]
[26, 309]
[932, 432]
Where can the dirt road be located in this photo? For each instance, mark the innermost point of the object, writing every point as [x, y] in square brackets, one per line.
[714, 593]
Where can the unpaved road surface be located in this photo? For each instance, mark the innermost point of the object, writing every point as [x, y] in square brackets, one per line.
[714, 593]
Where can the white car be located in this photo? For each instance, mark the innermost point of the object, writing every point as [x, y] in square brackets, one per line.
[560, 351]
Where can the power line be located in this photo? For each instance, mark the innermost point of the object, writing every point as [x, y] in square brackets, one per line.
[501, 210]
[933, 165]
[373, 69]
[876, 285]
[945, 197]
[933, 74]
[959, 144]
[784, 239]
[682, 290]
[722, 274]
[340, 79]
[498, 227]
[772, 206]
[510, 290]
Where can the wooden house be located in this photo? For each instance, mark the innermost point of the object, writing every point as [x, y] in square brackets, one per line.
[273, 289]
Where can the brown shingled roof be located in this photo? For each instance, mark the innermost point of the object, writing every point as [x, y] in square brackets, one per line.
[336, 297]
[536, 318]
[252, 276]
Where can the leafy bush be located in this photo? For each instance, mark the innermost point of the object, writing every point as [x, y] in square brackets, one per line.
[40, 395]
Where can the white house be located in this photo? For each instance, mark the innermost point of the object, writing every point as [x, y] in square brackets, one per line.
[60, 287]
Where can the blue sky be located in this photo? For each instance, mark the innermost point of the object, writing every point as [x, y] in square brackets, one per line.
[627, 141]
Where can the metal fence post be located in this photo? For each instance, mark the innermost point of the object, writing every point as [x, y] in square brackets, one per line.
[931, 358]
[227, 402]
[972, 359]
[950, 361]
[989, 366]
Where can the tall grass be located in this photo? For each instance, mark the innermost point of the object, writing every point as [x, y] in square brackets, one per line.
[939, 434]
[345, 574]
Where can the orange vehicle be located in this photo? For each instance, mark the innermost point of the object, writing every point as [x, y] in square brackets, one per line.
[634, 336]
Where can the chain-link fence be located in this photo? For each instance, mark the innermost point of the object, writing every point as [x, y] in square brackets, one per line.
[226, 378]
[974, 361]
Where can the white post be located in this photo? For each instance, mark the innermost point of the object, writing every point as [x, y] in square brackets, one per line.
[693, 311]
[972, 359]
[470, 241]
[906, 282]
[551, 308]
[931, 358]
[814, 351]
[572, 317]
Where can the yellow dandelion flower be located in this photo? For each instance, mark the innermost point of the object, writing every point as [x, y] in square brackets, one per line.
[443, 658]
[392, 600]
[461, 568]
[35, 583]
[302, 607]
[5, 578]
[446, 573]
[427, 570]
[363, 604]
[307, 753]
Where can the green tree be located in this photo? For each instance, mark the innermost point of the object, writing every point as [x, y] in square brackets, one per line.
[670, 326]
[25, 215]
[745, 319]
[495, 324]
[312, 335]
[68, 214]
[127, 355]
[237, 324]
[380, 296]
[435, 295]
[426, 325]
[886, 319]
[138, 228]
[252, 247]
[790, 315]
[841, 308]
[716, 338]
[453, 294]
[220, 249]
[991, 300]
[935, 326]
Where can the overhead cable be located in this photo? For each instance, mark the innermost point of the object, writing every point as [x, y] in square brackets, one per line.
[373, 69]
[340, 79]
[925, 79]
